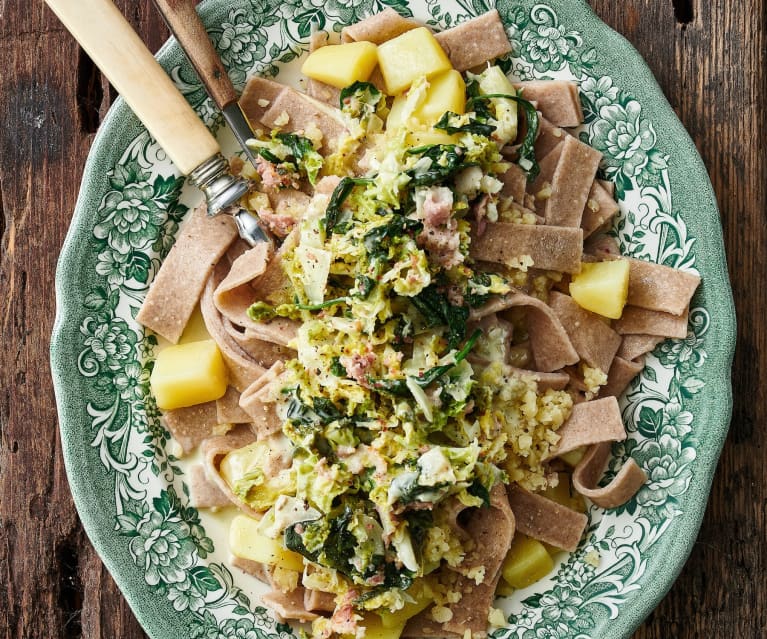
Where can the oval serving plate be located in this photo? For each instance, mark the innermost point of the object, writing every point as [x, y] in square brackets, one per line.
[169, 559]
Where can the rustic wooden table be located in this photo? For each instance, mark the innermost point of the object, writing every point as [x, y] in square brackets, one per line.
[708, 56]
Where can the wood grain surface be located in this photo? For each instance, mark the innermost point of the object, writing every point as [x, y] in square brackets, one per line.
[709, 57]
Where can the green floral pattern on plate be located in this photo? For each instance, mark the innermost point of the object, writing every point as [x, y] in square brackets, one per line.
[129, 485]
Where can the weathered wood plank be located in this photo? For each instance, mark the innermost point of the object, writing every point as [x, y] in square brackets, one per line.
[711, 70]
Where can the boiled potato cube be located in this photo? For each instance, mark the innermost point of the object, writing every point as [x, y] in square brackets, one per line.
[446, 92]
[188, 374]
[493, 81]
[573, 458]
[375, 629]
[425, 137]
[195, 329]
[526, 562]
[247, 542]
[412, 54]
[602, 287]
[340, 65]
[563, 494]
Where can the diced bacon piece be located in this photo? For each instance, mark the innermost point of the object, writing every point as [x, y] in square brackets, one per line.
[271, 178]
[437, 206]
[279, 224]
[358, 366]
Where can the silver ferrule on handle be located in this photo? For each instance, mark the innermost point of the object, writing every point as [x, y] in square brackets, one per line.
[220, 187]
[222, 191]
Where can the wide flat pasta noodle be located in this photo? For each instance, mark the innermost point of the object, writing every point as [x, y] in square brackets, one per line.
[215, 449]
[318, 601]
[190, 426]
[642, 321]
[619, 377]
[475, 42]
[549, 136]
[304, 113]
[243, 369]
[623, 487]
[571, 183]
[546, 520]
[600, 208]
[660, 288]
[258, 96]
[540, 187]
[634, 346]
[233, 295]
[204, 493]
[595, 342]
[514, 183]
[551, 248]
[491, 530]
[263, 416]
[550, 344]
[262, 572]
[558, 100]
[378, 28]
[177, 287]
[289, 605]
[280, 331]
[228, 409]
[589, 423]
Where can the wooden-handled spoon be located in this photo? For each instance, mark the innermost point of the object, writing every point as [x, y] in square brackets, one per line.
[113, 45]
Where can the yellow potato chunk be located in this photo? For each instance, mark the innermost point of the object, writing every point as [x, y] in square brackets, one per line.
[574, 457]
[446, 92]
[375, 629]
[602, 287]
[425, 137]
[247, 542]
[564, 494]
[340, 65]
[188, 374]
[412, 54]
[526, 562]
[195, 329]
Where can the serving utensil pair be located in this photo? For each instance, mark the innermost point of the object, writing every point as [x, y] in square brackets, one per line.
[116, 49]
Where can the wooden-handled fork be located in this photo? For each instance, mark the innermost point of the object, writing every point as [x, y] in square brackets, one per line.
[113, 45]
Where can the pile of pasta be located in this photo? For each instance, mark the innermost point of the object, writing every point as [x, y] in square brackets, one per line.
[567, 210]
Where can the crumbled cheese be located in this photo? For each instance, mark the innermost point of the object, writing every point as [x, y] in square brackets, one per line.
[440, 614]
[258, 201]
[313, 133]
[592, 558]
[593, 205]
[263, 103]
[593, 379]
[496, 618]
[477, 573]
[284, 579]
[544, 193]
[282, 119]
[523, 262]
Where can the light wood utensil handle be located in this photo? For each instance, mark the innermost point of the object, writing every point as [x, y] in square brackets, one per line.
[185, 24]
[113, 45]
